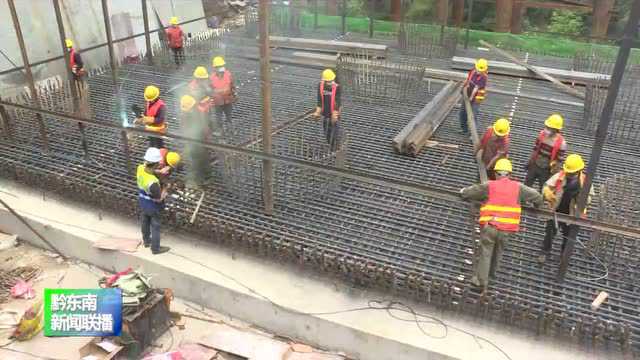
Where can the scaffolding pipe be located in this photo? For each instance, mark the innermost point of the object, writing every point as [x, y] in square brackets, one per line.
[147, 35]
[29, 74]
[265, 81]
[603, 128]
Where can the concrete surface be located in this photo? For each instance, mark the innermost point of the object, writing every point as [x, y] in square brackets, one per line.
[230, 283]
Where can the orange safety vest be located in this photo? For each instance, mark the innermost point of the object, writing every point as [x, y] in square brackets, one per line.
[554, 150]
[174, 34]
[471, 78]
[153, 111]
[72, 55]
[334, 89]
[502, 210]
[221, 88]
[204, 104]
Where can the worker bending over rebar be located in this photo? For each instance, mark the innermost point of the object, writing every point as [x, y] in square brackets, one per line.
[154, 116]
[474, 87]
[329, 106]
[499, 219]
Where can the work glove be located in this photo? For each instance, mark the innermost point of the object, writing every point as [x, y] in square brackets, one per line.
[334, 116]
[317, 112]
[147, 120]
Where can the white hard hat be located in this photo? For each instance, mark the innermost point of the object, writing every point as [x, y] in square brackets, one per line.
[152, 155]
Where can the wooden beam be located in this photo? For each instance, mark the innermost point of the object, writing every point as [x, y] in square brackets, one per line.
[555, 5]
[567, 89]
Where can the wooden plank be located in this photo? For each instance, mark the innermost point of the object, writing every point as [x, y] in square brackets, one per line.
[569, 90]
[508, 68]
[343, 47]
[556, 5]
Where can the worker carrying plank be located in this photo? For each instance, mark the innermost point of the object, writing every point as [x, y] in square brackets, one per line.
[151, 200]
[194, 124]
[175, 40]
[475, 89]
[154, 116]
[329, 106]
[548, 152]
[494, 145]
[224, 92]
[499, 217]
[560, 194]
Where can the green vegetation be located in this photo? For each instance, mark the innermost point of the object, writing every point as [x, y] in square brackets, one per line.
[566, 22]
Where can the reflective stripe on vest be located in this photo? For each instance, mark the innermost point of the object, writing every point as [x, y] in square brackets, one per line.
[334, 89]
[502, 210]
[72, 57]
[221, 87]
[550, 151]
[145, 180]
[153, 111]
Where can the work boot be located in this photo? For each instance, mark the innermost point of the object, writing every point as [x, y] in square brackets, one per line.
[161, 249]
[147, 245]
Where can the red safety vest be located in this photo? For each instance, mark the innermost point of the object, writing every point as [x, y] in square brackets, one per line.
[221, 88]
[334, 89]
[72, 55]
[174, 34]
[502, 209]
[553, 151]
[153, 111]
[560, 180]
[473, 79]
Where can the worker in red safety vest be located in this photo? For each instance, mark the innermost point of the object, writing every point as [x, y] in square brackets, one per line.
[224, 93]
[475, 88]
[499, 217]
[175, 40]
[560, 194]
[494, 145]
[200, 89]
[77, 65]
[548, 152]
[329, 106]
[154, 116]
[77, 69]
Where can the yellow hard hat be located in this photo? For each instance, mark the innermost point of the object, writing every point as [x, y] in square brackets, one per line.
[173, 20]
[501, 127]
[68, 42]
[482, 65]
[173, 159]
[573, 164]
[151, 93]
[201, 73]
[218, 61]
[503, 165]
[187, 102]
[555, 121]
[328, 75]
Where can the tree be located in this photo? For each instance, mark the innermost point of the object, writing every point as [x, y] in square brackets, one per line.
[566, 22]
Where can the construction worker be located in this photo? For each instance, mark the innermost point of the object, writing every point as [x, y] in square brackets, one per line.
[77, 65]
[200, 89]
[169, 163]
[175, 40]
[494, 145]
[474, 87]
[561, 194]
[195, 126]
[548, 152]
[154, 116]
[224, 92]
[151, 200]
[499, 217]
[329, 106]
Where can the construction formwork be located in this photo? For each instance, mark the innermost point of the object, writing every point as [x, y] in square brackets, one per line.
[375, 234]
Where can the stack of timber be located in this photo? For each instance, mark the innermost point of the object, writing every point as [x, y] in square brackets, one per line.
[413, 137]
[341, 47]
[511, 69]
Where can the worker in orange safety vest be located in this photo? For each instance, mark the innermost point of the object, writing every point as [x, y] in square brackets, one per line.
[475, 89]
[175, 41]
[560, 194]
[548, 152]
[224, 93]
[154, 116]
[499, 217]
[329, 106]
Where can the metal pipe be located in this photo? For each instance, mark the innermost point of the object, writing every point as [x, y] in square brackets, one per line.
[265, 80]
[147, 35]
[70, 75]
[369, 178]
[29, 74]
[114, 76]
[469, 15]
[601, 132]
